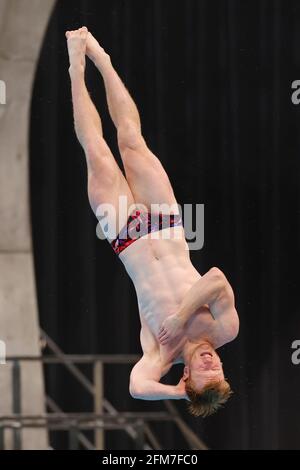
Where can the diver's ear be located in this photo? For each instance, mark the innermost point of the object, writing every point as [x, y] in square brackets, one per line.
[186, 373]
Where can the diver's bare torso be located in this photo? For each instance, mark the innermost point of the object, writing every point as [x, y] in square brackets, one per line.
[162, 274]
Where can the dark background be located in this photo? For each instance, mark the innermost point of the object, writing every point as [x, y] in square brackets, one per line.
[212, 80]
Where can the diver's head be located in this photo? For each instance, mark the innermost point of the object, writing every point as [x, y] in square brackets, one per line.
[205, 383]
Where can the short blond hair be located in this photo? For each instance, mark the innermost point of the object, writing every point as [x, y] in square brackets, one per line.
[209, 399]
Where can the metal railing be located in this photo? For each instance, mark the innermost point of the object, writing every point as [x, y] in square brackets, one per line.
[104, 415]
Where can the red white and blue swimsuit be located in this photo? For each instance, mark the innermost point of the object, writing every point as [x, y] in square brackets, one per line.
[139, 224]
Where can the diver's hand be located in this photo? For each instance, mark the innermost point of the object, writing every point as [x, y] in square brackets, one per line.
[180, 388]
[170, 329]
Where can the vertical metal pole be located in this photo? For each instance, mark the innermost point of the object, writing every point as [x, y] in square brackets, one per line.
[98, 401]
[16, 386]
[73, 437]
[140, 438]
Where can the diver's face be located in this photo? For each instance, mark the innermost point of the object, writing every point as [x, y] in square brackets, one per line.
[205, 366]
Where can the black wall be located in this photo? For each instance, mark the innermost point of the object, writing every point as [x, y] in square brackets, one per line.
[212, 81]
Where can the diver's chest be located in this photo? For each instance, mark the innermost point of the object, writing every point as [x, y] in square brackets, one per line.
[201, 324]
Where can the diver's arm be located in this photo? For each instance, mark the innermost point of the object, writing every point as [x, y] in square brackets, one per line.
[145, 385]
[212, 290]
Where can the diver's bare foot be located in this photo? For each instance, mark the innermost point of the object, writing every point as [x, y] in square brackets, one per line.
[77, 49]
[96, 53]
